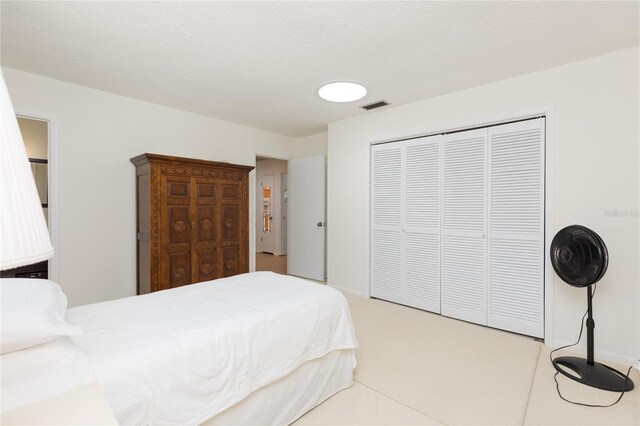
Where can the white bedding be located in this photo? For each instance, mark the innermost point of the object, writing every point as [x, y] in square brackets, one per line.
[183, 355]
[36, 373]
[284, 401]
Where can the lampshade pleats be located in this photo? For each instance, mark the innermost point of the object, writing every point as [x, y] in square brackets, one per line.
[24, 237]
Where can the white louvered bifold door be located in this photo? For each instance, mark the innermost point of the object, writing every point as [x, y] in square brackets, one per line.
[464, 220]
[386, 221]
[516, 227]
[421, 236]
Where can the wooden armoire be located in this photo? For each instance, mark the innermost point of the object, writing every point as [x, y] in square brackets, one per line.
[192, 220]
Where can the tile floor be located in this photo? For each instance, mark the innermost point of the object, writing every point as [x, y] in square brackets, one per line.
[420, 368]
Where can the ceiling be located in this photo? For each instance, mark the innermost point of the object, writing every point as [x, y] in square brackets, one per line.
[260, 64]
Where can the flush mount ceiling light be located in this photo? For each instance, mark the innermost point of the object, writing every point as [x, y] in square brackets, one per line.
[342, 91]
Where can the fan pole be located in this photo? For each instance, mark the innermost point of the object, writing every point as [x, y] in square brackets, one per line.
[591, 324]
[587, 371]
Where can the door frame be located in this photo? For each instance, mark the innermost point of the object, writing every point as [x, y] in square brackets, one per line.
[548, 112]
[53, 185]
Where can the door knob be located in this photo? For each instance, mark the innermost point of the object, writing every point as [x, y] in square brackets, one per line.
[320, 224]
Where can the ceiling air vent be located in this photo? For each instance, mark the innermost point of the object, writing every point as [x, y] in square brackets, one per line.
[375, 105]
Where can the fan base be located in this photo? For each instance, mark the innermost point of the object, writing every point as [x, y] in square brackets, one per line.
[597, 375]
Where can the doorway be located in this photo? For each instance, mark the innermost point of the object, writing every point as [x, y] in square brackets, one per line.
[291, 216]
[271, 215]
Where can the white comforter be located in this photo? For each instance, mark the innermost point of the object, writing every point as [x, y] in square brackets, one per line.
[183, 355]
[42, 371]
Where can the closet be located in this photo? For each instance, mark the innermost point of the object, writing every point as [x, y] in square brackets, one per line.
[192, 221]
[457, 224]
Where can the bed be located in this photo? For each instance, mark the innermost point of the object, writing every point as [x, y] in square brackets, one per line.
[258, 348]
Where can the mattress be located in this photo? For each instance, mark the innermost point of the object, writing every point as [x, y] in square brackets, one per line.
[284, 401]
[184, 355]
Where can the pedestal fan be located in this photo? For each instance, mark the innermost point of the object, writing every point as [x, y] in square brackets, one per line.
[580, 258]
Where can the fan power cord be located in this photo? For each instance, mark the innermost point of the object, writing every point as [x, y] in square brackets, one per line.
[555, 376]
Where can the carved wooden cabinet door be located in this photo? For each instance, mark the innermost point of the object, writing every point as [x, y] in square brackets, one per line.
[230, 232]
[205, 236]
[176, 240]
[193, 218]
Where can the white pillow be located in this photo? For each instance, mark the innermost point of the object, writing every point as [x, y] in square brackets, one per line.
[31, 312]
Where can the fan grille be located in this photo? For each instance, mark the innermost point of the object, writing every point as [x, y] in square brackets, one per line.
[579, 256]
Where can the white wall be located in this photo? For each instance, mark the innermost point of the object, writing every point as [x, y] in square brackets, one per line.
[596, 111]
[97, 134]
[35, 135]
[311, 145]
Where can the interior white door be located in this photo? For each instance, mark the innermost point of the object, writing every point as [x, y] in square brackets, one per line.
[267, 213]
[464, 215]
[386, 222]
[307, 217]
[421, 223]
[516, 227]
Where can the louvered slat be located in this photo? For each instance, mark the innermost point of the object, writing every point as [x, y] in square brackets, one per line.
[464, 211]
[421, 237]
[386, 222]
[386, 186]
[422, 184]
[463, 283]
[516, 227]
[422, 271]
[464, 181]
[386, 265]
[516, 163]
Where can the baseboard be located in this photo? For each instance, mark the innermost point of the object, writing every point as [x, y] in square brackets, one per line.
[348, 291]
[601, 356]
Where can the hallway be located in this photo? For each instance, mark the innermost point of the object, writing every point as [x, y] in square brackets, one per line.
[269, 262]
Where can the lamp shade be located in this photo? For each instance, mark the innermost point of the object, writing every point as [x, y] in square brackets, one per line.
[24, 237]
